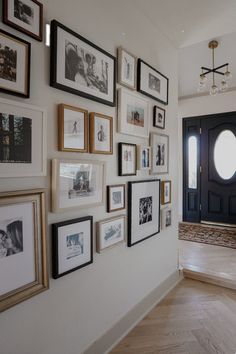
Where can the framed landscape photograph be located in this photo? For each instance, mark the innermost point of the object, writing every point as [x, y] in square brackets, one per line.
[23, 254]
[72, 245]
[127, 159]
[80, 67]
[143, 157]
[115, 197]
[152, 83]
[143, 210]
[127, 68]
[166, 218]
[14, 65]
[160, 153]
[77, 183]
[100, 134]
[159, 117]
[133, 114]
[22, 140]
[165, 192]
[72, 129]
[110, 232]
[25, 16]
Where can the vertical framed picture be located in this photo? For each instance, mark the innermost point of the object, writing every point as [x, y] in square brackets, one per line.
[25, 16]
[23, 254]
[166, 218]
[110, 232]
[72, 129]
[127, 68]
[160, 153]
[143, 210]
[165, 192]
[115, 197]
[72, 245]
[14, 65]
[127, 159]
[143, 157]
[80, 67]
[159, 117]
[100, 134]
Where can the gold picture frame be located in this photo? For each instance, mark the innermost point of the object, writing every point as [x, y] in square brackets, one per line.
[116, 234]
[96, 145]
[165, 192]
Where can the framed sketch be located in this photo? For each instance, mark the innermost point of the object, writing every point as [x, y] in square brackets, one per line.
[25, 16]
[72, 129]
[80, 67]
[143, 210]
[166, 218]
[165, 192]
[100, 134]
[23, 254]
[22, 140]
[77, 183]
[14, 65]
[115, 197]
[143, 157]
[72, 245]
[133, 114]
[110, 232]
[159, 117]
[127, 159]
[152, 83]
[127, 68]
[160, 153]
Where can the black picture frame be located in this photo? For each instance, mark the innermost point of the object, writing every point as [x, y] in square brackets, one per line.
[155, 108]
[54, 62]
[120, 159]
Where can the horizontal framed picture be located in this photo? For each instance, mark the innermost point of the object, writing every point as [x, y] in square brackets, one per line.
[80, 67]
[22, 140]
[127, 68]
[72, 245]
[133, 114]
[14, 65]
[23, 254]
[127, 159]
[110, 232]
[160, 153]
[159, 117]
[152, 83]
[143, 157]
[166, 218]
[25, 16]
[165, 192]
[115, 197]
[77, 183]
[100, 134]
[72, 129]
[143, 210]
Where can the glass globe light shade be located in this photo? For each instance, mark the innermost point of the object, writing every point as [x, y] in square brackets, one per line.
[214, 90]
[227, 75]
[224, 86]
[203, 79]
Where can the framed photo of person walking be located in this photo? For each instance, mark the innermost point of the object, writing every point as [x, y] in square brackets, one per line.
[127, 68]
[127, 159]
[160, 153]
[100, 134]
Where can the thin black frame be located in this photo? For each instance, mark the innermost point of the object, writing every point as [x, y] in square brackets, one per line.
[55, 261]
[139, 74]
[154, 117]
[53, 64]
[130, 184]
[120, 160]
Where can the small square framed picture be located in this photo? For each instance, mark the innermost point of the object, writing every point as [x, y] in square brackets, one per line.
[165, 192]
[166, 218]
[143, 157]
[127, 159]
[127, 68]
[115, 197]
[110, 232]
[100, 134]
[159, 117]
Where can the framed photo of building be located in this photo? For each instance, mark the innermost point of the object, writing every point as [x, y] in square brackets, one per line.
[160, 153]
[22, 140]
[80, 67]
[23, 254]
[72, 129]
[127, 159]
[143, 157]
[100, 134]
[152, 83]
[77, 183]
[159, 117]
[110, 232]
[143, 210]
[25, 16]
[133, 114]
[115, 197]
[166, 218]
[72, 245]
[14, 65]
[165, 192]
[127, 68]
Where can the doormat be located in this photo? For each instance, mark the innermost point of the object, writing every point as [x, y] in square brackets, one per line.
[218, 236]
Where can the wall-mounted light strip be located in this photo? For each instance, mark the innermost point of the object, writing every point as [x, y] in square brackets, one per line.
[47, 37]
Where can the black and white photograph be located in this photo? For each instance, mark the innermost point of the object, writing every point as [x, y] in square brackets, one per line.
[11, 237]
[154, 83]
[115, 197]
[145, 210]
[110, 232]
[127, 159]
[75, 245]
[8, 59]
[166, 215]
[100, 134]
[81, 186]
[165, 192]
[143, 157]
[23, 12]
[159, 116]
[127, 64]
[160, 153]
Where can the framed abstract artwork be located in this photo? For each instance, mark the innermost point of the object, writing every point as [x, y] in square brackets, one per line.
[165, 192]
[115, 197]
[159, 117]
[160, 153]
[166, 218]
[127, 68]
[110, 232]
[143, 157]
[100, 134]
[127, 159]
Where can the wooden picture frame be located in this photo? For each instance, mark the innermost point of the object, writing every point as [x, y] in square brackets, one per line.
[116, 197]
[100, 134]
[160, 153]
[159, 117]
[114, 230]
[165, 192]
[127, 68]
[127, 159]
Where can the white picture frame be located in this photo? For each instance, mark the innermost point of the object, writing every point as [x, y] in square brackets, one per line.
[127, 68]
[166, 217]
[110, 232]
[160, 153]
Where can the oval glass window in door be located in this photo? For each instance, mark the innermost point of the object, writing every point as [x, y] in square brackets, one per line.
[225, 154]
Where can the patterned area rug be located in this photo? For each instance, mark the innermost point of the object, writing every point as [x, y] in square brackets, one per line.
[210, 235]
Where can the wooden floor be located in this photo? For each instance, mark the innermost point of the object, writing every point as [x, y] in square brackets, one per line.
[195, 318]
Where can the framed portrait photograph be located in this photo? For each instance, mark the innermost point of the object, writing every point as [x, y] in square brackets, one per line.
[110, 232]
[127, 68]
[152, 83]
[23, 140]
[25, 16]
[166, 218]
[80, 67]
[160, 153]
[23, 254]
[115, 197]
[77, 183]
[127, 159]
[165, 192]
[14, 65]
[143, 210]
[143, 157]
[159, 117]
[72, 129]
[100, 134]
[72, 245]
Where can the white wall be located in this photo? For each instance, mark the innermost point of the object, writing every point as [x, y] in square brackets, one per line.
[80, 307]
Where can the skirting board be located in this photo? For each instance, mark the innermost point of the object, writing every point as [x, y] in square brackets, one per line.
[113, 336]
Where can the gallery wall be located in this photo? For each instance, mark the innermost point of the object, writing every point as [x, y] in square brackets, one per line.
[82, 306]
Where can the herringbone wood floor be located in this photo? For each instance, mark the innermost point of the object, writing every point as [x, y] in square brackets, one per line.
[195, 318]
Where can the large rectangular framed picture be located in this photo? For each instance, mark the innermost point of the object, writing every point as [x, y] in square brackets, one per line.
[80, 67]
[160, 153]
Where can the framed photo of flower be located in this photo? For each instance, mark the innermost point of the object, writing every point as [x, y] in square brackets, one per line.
[143, 157]
[160, 153]
[166, 218]
[115, 197]
[110, 232]
[159, 117]
[127, 68]
[100, 134]
[165, 192]
[127, 159]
